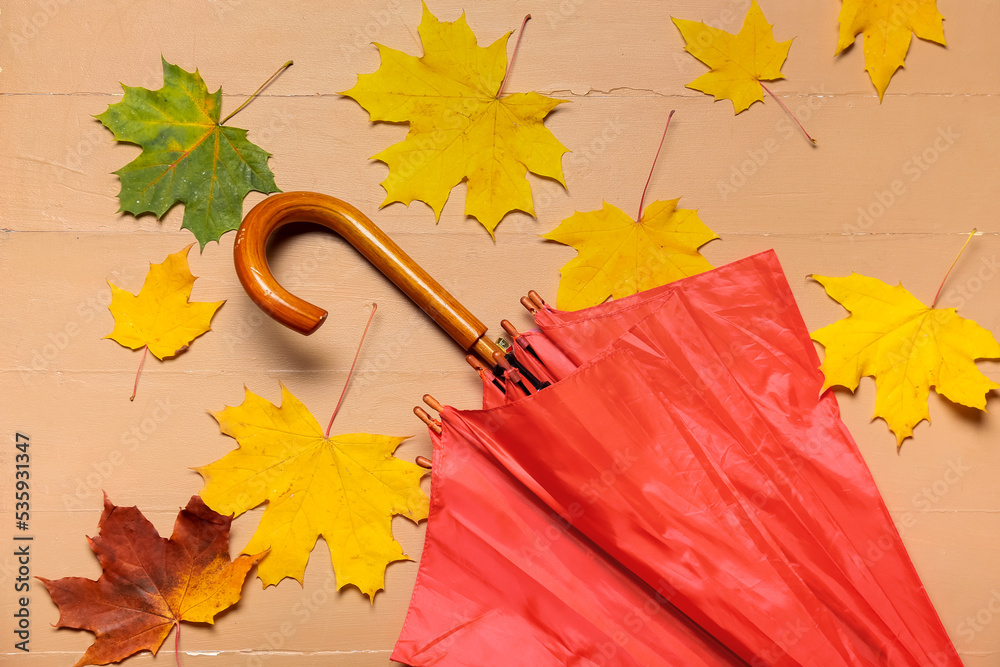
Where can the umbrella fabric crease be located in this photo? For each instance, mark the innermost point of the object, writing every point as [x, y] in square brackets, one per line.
[519, 585]
[686, 446]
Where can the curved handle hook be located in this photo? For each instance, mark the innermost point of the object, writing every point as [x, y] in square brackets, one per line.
[249, 255]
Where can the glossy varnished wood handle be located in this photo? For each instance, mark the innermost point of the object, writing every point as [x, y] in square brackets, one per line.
[350, 223]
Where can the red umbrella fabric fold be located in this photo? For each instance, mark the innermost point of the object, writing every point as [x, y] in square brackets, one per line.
[691, 450]
[503, 580]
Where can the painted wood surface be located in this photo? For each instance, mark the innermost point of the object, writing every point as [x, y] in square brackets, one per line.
[890, 191]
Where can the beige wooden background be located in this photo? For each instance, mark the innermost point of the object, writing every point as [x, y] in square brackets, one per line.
[622, 66]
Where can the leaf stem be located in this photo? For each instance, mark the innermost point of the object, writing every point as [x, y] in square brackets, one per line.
[177, 642]
[642, 199]
[513, 54]
[257, 92]
[787, 110]
[350, 372]
[135, 385]
[964, 246]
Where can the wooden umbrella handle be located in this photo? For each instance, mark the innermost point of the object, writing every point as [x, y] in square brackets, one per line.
[254, 273]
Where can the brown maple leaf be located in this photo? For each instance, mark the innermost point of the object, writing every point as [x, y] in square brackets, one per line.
[150, 584]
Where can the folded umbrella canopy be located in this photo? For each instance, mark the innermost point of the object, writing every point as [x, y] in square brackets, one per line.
[680, 495]
[503, 580]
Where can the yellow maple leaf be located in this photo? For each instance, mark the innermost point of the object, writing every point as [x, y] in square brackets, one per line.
[739, 62]
[888, 26]
[345, 488]
[907, 347]
[160, 316]
[459, 129]
[619, 256]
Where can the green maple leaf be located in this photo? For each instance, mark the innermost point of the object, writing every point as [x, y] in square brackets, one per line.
[187, 155]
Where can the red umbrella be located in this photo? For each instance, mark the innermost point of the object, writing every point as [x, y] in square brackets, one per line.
[689, 468]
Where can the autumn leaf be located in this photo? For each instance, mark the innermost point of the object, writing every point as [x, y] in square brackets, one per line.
[160, 315]
[345, 488]
[188, 156]
[888, 26]
[460, 126]
[619, 256]
[739, 62]
[907, 347]
[150, 584]
[160, 318]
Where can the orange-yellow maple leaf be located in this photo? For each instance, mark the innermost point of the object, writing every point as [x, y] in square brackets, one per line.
[739, 62]
[888, 26]
[150, 583]
[345, 488]
[907, 347]
[619, 256]
[160, 316]
[459, 128]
